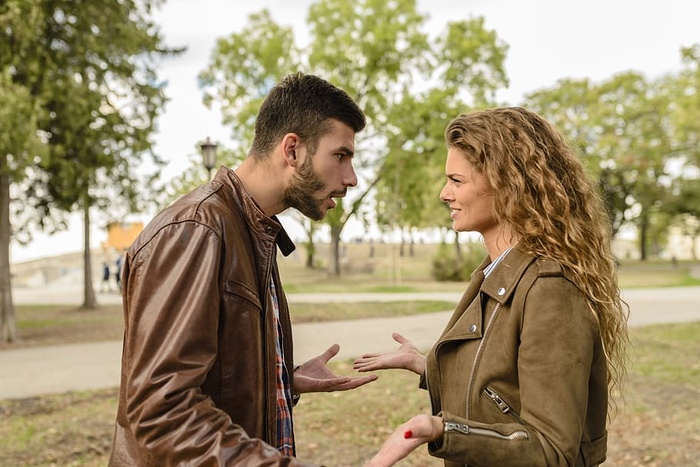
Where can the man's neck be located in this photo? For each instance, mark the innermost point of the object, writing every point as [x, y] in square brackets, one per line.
[263, 183]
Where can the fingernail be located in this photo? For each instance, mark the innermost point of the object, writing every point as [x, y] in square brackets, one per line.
[408, 434]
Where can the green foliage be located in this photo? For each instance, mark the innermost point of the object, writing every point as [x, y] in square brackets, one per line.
[91, 69]
[449, 265]
[409, 85]
[242, 70]
[627, 130]
[18, 127]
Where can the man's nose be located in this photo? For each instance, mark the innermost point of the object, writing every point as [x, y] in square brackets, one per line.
[350, 177]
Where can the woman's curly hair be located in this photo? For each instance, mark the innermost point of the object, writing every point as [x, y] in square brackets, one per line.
[541, 190]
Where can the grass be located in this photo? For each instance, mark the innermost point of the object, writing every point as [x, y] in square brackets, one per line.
[317, 312]
[667, 356]
[635, 274]
[657, 425]
[389, 272]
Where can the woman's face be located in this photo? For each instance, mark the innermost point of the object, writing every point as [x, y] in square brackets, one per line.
[466, 193]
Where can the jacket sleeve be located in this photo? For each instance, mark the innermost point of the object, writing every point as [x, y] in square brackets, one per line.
[171, 307]
[557, 341]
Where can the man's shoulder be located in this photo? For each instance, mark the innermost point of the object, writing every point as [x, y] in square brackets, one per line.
[202, 208]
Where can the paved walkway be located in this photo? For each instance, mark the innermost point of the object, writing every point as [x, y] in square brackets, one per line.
[45, 370]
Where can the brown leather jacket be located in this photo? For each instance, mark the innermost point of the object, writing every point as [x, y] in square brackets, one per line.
[198, 380]
[519, 373]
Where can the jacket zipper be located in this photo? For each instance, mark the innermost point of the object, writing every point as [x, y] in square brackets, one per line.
[470, 430]
[472, 375]
[501, 404]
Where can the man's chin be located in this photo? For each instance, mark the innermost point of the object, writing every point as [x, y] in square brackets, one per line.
[315, 214]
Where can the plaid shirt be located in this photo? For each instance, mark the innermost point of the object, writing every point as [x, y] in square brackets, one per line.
[285, 427]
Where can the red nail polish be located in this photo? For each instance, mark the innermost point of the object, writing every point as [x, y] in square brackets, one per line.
[408, 434]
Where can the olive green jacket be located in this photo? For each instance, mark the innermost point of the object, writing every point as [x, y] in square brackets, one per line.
[519, 374]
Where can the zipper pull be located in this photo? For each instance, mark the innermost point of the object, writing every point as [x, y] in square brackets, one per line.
[505, 408]
[451, 426]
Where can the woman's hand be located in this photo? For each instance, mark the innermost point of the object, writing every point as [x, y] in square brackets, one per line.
[406, 356]
[407, 437]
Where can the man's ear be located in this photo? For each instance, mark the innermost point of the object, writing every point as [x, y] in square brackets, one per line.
[290, 145]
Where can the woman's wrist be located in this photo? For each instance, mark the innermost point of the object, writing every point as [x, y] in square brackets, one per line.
[438, 428]
[418, 364]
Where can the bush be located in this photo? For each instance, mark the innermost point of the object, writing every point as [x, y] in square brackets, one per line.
[447, 267]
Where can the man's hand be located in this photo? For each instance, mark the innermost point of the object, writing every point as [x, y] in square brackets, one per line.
[315, 376]
[406, 356]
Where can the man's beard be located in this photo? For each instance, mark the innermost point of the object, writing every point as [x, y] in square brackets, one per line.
[300, 193]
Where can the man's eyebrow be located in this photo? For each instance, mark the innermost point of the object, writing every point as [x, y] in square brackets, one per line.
[346, 150]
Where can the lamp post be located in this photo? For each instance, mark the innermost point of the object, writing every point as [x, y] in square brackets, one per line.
[208, 154]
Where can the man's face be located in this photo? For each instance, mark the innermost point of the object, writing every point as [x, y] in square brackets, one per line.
[325, 175]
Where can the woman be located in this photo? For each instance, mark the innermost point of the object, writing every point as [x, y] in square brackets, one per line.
[522, 372]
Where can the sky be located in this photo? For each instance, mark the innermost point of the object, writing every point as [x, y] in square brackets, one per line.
[548, 40]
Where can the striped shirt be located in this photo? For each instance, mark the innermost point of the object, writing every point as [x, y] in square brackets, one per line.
[494, 263]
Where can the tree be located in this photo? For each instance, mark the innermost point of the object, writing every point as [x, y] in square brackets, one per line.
[636, 140]
[573, 105]
[91, 68]
[685, 207]
[685, 107]
[622, 129]
[376, 51]
[18, 137]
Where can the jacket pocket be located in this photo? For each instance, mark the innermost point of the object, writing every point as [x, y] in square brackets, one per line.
[243, 291]
[496, 400]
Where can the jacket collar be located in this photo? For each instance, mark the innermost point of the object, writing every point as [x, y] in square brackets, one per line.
[262, 224]
[505, 277]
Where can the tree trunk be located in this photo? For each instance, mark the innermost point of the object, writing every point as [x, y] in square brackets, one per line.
[310, 245]
[643, 234]
[334, 268]
[8, 326]
[412, 251]
[89, 299]
[310, 253]
[458, 247]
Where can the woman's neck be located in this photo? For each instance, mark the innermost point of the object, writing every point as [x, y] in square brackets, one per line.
[499, 241]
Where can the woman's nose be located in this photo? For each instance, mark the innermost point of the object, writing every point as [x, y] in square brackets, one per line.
[444, 194]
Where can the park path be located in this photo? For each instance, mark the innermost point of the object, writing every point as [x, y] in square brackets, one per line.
[46, 370]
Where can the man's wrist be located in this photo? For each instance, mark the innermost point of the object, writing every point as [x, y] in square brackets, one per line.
[295, 395]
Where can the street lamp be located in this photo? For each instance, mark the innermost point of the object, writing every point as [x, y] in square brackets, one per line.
[208, 154]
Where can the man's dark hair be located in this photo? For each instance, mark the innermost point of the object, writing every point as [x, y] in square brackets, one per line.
[304, 105]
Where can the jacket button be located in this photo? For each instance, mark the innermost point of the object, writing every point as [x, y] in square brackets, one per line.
[268, 229]
[472, 328]
[501, 291]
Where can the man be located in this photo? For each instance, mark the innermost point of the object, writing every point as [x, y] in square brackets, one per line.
[207, 366]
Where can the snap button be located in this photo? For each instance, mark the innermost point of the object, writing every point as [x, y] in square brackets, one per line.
[472, 328]
[501, 291]
[268, 229]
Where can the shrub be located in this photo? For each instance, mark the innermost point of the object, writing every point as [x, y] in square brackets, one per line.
[447, 267]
